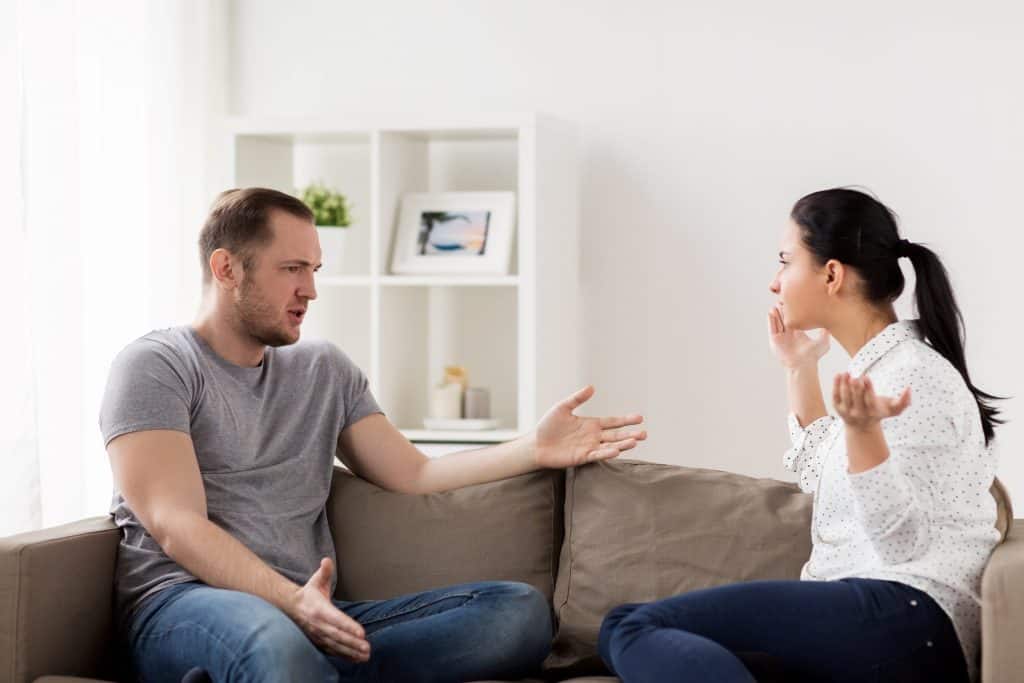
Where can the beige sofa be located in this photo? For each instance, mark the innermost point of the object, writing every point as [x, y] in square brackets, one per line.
[589, 539]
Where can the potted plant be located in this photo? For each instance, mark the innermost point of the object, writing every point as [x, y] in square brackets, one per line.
[331, 215]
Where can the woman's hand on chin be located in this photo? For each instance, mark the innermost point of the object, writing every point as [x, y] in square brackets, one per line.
[794, 348]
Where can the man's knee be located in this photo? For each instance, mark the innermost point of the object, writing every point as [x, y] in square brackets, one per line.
[524, 618]
[276, 649]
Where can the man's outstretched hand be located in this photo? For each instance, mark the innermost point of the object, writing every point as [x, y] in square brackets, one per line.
[567, 440]
[326, 625]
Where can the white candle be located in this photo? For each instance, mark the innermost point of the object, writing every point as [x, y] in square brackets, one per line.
[446, 401]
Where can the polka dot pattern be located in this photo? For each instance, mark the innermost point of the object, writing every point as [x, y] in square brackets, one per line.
[924, 517]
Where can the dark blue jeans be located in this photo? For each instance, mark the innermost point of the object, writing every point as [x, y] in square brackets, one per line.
[469, 632]
[845, 631]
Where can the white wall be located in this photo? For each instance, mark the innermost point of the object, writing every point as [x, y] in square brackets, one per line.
[702, 123]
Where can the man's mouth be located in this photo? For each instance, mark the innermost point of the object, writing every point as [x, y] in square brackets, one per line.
[296, 315]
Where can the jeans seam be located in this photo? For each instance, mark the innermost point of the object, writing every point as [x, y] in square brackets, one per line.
[410, 610]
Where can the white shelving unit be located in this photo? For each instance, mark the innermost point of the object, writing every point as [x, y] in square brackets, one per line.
[516, 334]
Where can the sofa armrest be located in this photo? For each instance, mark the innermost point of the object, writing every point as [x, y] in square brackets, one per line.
[55, 600]
[1002, 610]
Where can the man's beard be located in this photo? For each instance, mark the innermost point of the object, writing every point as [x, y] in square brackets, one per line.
[258, 319]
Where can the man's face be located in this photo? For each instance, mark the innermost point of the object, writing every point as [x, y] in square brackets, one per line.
[271, 302]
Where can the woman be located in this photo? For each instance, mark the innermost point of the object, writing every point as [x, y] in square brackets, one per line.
[903, 521]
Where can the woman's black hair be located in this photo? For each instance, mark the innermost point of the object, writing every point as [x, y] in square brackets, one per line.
[859, 231]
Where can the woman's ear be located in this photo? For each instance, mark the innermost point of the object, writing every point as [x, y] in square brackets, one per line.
[835, 274]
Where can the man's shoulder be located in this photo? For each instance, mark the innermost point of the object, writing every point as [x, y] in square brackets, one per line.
[319, 359]
[317, 350]
[164, 346]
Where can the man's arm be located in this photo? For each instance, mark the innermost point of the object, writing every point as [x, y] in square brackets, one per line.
[158, 474]
[376, 451]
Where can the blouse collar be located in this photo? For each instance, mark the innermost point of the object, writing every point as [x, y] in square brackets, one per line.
[883, 342]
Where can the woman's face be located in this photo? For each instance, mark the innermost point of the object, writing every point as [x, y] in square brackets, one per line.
[800, 284]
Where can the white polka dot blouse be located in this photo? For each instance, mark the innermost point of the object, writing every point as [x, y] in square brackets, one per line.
[925, 516]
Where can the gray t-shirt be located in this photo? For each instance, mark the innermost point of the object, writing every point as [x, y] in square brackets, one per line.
[264, 437]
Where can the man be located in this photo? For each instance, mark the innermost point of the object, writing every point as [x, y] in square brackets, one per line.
[221, 438]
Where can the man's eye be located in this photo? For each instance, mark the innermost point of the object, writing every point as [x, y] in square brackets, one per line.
[293, 269]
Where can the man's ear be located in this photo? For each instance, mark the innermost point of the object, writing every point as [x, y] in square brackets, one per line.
[226, 269]
[835, 275]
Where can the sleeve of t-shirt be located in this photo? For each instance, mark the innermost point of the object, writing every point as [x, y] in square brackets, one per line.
[148, 388]
[355, 388]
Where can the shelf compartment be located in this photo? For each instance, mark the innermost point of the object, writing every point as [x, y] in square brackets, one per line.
[433, 161]
[425, 328]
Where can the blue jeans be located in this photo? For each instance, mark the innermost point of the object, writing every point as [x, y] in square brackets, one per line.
[847, 630]
[469, 632]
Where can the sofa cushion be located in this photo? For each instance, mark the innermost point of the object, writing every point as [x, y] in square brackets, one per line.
[637, 532]
[391, 544]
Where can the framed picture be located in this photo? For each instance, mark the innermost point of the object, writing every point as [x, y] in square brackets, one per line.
[454, 233]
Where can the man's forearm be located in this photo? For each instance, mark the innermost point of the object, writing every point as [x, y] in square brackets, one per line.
[220, 560]
[466, 468]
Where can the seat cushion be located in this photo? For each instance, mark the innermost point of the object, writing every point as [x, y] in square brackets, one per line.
[391, 544]
[638, 531]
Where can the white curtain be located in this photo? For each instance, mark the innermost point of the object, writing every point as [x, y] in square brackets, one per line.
[105, 138]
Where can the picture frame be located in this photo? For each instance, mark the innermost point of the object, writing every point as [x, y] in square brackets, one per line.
[454, 233]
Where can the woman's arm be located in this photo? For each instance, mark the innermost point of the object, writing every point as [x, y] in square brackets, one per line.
[894, 471]
[806, 401]
[809, 422]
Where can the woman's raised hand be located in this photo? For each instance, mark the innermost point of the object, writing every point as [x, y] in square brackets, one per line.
[794, 348]
[860, 407]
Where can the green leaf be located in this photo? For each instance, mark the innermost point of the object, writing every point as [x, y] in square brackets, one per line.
[328, 206]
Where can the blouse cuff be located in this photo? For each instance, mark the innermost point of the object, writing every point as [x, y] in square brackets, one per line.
[804, 439]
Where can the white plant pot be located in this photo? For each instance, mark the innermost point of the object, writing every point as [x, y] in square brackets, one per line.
[332, 248]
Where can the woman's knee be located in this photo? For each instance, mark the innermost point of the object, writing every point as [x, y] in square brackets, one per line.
[608, 625]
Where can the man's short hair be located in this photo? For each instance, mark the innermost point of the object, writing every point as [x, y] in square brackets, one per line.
[238, 222]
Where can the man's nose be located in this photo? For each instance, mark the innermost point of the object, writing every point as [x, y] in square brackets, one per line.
[308, 288]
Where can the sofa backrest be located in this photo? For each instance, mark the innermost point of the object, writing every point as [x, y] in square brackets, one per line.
[391, 544]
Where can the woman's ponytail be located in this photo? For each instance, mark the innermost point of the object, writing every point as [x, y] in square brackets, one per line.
[943, 325]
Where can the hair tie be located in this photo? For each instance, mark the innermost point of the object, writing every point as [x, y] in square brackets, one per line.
[903, 248]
